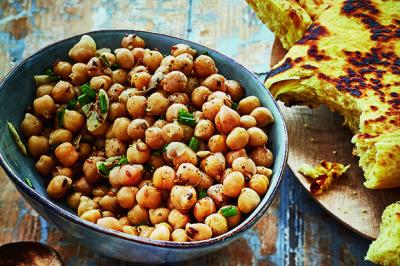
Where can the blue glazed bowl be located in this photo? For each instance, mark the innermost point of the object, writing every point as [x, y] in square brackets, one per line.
[17, 91]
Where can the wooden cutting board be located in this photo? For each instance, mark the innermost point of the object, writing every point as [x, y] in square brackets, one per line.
[318, 134]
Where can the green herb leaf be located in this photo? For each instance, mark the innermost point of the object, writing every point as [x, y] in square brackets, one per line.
[102, 103]
[206, 53]
[18, 141]
[123, 160]
[229, 211]
[71, 104]
[194, 144]
[86, 89]
[103, 169]
[202, 193]
[234, 106]
[157, 153]
[84, 99]
[104, 59]
[164, 149]
[29, 182]
[114, 67]
[186, 118]
[60, 116]
[49, 72]
[148, 167]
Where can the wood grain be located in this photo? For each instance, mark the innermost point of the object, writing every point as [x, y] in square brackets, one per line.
[294, 231]
[318, 134]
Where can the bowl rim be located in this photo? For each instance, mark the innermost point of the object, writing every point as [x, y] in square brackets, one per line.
[57, 210]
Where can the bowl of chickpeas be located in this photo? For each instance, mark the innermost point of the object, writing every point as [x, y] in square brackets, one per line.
[141, 146]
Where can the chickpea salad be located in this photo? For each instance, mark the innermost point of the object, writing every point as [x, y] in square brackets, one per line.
[152, 145]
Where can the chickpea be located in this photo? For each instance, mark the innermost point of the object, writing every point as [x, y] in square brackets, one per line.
[198, 231]
[179, 153]
[44, 106]
[234, 89]
[100, 191]
[130, 175]
[79, 74]
[233, 220]
[215, 82]
[95, 67]
[140, 80]
[263, 116]
[218, 224]
[174, 81]
[58, 186]
[204, 66]
[86, 204]
[131, 230]
[217, 143]
[60, 135]
[91, 215]
[157, 161]
[109, 203]
[172, 132]
[157, 104]
[181, 48]
[136, 106]
[248, 200]
[188, 132]
[66, 154]
[108, 214]
[222, 95]
[89, 169]
[159, 215]
[244, 165]
[214, 165]
[146, 182]
[237, 139]
[100, 82]
[115, 147]
[149, 197]
[74, 199]
[110, 223]
[152, 59]
[257, 137]
[173, 110]
[262, 156]
[179, 235]
[203, 208]
[115, 91]
[63, 91]
[120, 128]
[188, 174]
[123, 221]
[111, 58]
[62, 69]
[137, 128]
[259, 183]
[247, 121]
[204, 129]
[178, 219]
[160, 123]
[183, 197]
[44, 89]
[37, 146]
[138, 54]
[73, 121]
[232, 184]
[232, 155]
[131, 41]
[261, 170]
[206, 181]
[45, 165]
[135, 70]
[109, 134]
[227, 120]
[138, 215]
[82, 185]
[138, 152]
[100, 131]
[248, 104]
[192, 83]
[59, 170]
[125, 58]
[210, 109]
[163, 177]
[116, 110]
[113, 177]
[161, 232]
[179, 97]
[31, 125]
[183, 63]
[83, 50]
[153, 138]
[119, 76]
[215, 192]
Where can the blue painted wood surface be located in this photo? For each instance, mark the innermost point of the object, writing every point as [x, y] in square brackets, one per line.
[295, 231]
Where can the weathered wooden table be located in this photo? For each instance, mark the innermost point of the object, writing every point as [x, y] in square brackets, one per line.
[295, 231]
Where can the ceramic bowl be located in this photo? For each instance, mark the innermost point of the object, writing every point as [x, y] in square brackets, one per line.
[17, 91]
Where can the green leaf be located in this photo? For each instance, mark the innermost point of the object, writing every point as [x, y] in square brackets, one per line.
[234, 106]
[114, 67]
[202, 193]
[123, 160]
[17, 139]
[229, 211]
[71, 104]
[103, 103]
[86, 89]
[194, 144]
[164, 149]
[29, 182]
[157, 153]
[103, 169]
[84, 99]
[60, 116]
[186, 118]
[104, 59]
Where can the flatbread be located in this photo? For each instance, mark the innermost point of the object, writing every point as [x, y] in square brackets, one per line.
[348, 59]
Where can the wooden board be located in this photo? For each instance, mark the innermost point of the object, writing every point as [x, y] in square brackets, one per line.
[318, 134]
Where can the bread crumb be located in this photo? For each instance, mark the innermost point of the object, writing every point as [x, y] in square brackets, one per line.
[312, 139]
